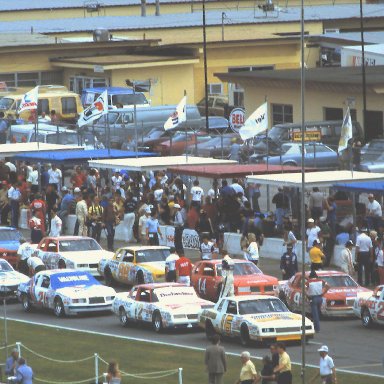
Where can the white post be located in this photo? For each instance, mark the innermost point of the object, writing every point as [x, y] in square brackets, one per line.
[18, 346]
[180, 375]
[96, 368]
[105, 378]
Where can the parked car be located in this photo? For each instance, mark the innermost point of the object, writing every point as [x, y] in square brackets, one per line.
[217, 146]
[77, 252]
[66, 292]
[10, 280]
[207, 279]
[317, 155]
[163, 305]
[9, 244]
[217, 105]
[135, 265]
[254, 318]
[337, 302]
[372, 156]
[370, 309]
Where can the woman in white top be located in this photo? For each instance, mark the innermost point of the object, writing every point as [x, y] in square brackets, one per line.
[252, 253]
[346, 259]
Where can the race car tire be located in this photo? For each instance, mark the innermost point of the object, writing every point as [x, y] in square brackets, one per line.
[366, 318]
[58, 307]
[157, 322]
[244, 335]
[139, 278]
[209, 330]
[27, 306]
[62, 264]
[124, 321]
[108, 278]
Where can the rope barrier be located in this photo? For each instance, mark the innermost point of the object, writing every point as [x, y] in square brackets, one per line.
[8, 346]
[146, 376]
[90, 380]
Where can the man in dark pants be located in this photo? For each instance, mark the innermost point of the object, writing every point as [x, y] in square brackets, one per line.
[364, 256]
[3, 128]
[288, 263]
[215, 361]
[109, 220]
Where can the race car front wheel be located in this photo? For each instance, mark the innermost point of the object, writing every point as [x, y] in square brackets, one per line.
[244, 335]
[366, 318]
[123, 317]
[157, 322]
[26, 303]
[58, 308]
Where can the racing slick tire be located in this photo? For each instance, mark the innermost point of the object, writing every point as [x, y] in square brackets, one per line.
[209, 330]
[366, 318]
[139, 278]
[58, 307]
[157, 322]
[244, 335]
[62, 265]
[124, 321]
[108, 278]
[27, 306]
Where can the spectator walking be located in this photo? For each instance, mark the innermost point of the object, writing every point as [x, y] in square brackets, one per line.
[56, 224]
[11, 364]
[364, 256]
[215, 361]
[284, 368]
[248, 373]
[129, 217]
[153, 229]
[113, 374]
[170, 266]
[24, 373]
[95, 215]
[183, 270]
[316, 200]
[346, 259]
[109, 220]
[82, 214]
[288, 263]
[316, 256]
[327, 371]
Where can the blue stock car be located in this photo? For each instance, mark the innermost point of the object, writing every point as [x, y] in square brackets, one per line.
[9, 244]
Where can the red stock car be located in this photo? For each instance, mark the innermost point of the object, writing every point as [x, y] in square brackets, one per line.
[207, 279]
[337, 302]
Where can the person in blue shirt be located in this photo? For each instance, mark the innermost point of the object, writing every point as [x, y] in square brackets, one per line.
[24, 372]
[288, 263]
[11, 363]
[342, 237]
[153, 229]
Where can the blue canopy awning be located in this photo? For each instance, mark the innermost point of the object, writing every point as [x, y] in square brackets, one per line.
[79, 156]
[363, 187]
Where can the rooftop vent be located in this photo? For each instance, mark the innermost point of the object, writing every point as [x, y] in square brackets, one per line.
[100, 34]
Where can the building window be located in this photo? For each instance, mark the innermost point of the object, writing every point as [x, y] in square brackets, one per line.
[31, 79]
[78, 83]
[68, 105]
[282, 113]
[215, 89]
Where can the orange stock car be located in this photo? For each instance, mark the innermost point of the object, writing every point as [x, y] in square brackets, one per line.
[207, 279]
[337, 302]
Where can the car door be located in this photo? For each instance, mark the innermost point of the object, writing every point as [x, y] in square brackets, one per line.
[221, 313]
[293, 295]
[143, 303]
[125, 259]
[378, 305]
[40, 289]
[50, 253]
[227, 319]
[205, 284]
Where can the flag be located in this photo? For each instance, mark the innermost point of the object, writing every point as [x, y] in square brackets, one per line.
[29, 100]
[346, 131]
[179, 116]
[98, 108]
[256, 123]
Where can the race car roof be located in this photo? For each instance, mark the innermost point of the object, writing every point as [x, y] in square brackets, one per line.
[159, 285]
[145, 247]
[250, 297]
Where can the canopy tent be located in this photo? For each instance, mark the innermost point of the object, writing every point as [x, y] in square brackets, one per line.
[79, 156]
[363, 187]
[230, 170]
[315, 179]
[155, 163]
[10, 150]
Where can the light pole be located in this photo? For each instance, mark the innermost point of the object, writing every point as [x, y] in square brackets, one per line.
[363, 65]
[205, 69]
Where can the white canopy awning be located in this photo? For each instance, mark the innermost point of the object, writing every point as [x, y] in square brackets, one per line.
[9, 150]
[154, 163]
[314, 179]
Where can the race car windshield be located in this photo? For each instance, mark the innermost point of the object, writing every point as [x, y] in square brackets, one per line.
[241, 269]
[261, 306]
[10, 235]
[339, 281]
[72, 279]
[79, 245]
[4, 266]
[149, 255]
[173, 295]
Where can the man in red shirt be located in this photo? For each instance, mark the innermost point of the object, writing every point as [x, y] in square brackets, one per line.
[78, 178]
[39, 206]
[183, 270]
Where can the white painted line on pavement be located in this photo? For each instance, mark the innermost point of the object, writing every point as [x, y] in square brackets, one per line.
[172, 344]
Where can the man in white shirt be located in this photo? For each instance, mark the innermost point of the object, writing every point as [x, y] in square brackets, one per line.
[143, 225]
[170, 266]
[35, 265]
[364, 256]
[56, 224]
[33, 179]
[55, 177]
[374, 212]
[82, 214]
[117, 181]
[197, 194]
[327, 371]
[237, 187]
[206, 248]
[24, 252]
[14, 197]
[312, 233]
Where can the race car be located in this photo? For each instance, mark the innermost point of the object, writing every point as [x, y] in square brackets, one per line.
[135, 265]
[371, 309]
[10, 280]
[76, 252]
[164, 305]
[9, 244]
[337, 302]
[66, 292]
[254, 318]
[207, 279]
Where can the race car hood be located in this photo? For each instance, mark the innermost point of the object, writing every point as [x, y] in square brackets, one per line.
[256, 279]
[12, 278]
[84, 292]
[87, 257]
[157, 267]
[276, 319]
[341, 293]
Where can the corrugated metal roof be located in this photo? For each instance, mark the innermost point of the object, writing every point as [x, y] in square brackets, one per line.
[369, 37]
[127, 23]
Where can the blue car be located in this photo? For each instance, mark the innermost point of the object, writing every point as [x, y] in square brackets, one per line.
[9, 244]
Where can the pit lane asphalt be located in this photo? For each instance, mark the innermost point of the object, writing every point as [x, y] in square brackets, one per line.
[353, 348]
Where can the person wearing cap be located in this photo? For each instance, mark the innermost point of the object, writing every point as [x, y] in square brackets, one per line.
[178, 223]
[312, 233]
[374, 212]
[316, 255]
[347, 259]
[281, 200]
[327, 371]
[11, 363]
[364, 257]
[288, 263]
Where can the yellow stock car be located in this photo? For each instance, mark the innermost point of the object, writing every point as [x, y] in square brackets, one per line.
[135, 265]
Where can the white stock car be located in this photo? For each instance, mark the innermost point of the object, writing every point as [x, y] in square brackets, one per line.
[66, 292]
[164, 305]
[254, 318]
[10, 280]
[76, 252]
[370, 309]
